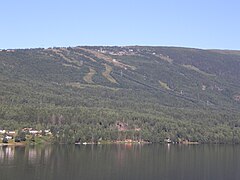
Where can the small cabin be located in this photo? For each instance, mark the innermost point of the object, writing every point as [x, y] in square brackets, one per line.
[2, 131]
[11, 132]
[167, 140]
[8, 137]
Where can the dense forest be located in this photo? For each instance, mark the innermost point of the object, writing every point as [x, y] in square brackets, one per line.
[117, 93]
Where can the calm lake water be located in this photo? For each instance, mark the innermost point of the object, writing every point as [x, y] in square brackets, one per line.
[125, 162]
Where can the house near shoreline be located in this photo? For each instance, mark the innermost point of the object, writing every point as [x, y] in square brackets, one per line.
[167, 140]
[7, 137]
[37, 132]
[3, 131]
[48, 132]
[11, 132]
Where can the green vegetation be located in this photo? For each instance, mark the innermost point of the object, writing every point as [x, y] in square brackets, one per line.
[53, 89]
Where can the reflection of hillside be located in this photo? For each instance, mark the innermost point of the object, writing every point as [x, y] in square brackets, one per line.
[7, 154]
[47, 153]
[127, 151]
[32, 155]
[130, 161]
[36, 155]
[1, 155]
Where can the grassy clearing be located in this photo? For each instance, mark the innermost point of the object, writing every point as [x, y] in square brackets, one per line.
[70, 65]
[88, 77]
[75, 85]
[107, 73]
[165, 58]
[191, 67]
[82, 86]
[164, 85]
[108, 59]
[69, 60]
[87, 57]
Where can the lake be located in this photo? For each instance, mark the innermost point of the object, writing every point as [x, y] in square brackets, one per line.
[121, 162]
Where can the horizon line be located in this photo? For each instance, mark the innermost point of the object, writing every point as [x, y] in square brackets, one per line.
[135, 45]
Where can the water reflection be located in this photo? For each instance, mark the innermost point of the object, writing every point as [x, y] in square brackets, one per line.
[7, 154]
[127, 161]
[32, 155]
[1, 155]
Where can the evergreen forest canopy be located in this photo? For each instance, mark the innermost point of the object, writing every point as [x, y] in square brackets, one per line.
[117, 93]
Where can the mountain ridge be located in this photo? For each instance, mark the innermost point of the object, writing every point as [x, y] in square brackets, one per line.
[126, 83]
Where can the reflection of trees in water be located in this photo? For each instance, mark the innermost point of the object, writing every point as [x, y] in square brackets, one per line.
[1, 155]
[32, 155]
[7, 154]
[125, 161]
[10, 153]
[37, 155]
[47, 153]
[25, 162]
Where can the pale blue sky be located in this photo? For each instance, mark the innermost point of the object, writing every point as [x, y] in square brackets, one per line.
[47, 23]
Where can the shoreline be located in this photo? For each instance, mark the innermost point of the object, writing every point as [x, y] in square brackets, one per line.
[13, 144]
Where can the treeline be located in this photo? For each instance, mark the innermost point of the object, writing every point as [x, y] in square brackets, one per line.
[93, 124]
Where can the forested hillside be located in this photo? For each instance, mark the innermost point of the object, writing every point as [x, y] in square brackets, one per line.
[117, 93]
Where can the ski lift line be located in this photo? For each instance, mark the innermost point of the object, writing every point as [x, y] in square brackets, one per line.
[144, 84]
[90, 65]
[132, 79]
[128, 77]
[179, 95]
[157, 89]
[171, 93]
[87, 64]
